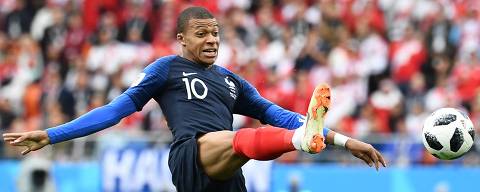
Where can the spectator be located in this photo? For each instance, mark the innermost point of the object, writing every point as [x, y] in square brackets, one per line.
[18, 21]
[407, 55]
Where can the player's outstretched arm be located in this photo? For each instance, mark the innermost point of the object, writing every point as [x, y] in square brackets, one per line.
[91, 122]
[359, 149]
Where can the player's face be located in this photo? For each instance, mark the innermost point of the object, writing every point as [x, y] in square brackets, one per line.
[200, 41]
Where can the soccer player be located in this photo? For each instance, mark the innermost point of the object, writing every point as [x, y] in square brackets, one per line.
[198, 99]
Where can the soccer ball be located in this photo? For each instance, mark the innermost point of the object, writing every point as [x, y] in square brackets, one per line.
[448, 133]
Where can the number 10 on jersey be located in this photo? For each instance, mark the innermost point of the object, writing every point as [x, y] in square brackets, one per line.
[190, 87]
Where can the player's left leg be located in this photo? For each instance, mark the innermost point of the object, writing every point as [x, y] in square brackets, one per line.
[224, 152]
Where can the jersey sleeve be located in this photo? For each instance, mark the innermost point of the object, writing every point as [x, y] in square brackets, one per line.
[93, 121]
[150, 82]
[280, 117]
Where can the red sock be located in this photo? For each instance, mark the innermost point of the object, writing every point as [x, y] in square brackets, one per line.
[265, 143]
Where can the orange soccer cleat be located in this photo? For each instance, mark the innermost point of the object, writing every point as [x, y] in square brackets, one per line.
[313, 140]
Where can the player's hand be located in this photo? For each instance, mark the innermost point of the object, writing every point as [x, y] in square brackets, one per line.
[365, 152]
[32, 140]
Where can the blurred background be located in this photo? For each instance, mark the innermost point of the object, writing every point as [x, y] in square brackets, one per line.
[390, 64]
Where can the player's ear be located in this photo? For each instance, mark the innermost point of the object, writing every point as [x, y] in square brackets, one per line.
[181, 39]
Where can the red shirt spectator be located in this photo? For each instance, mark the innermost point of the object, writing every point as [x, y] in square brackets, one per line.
[466, 78]
[407, 56]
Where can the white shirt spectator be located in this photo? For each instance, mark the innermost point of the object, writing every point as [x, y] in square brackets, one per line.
[436, 98]
[373, 55]
[41, 21]
[470, 38]
[387, 97]
[343, 98]
[340, 62]
[272, 55]
[414, 122]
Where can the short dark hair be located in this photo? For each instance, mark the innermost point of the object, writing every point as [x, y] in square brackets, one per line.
[192, 13]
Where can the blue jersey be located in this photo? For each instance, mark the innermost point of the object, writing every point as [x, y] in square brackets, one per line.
[196, 99]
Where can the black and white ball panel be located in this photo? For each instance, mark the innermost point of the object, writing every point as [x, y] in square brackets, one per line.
[448, 133]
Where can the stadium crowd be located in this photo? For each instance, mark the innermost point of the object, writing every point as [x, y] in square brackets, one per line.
[390, 63]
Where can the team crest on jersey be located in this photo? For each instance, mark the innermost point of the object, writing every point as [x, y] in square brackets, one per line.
[231, 87]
